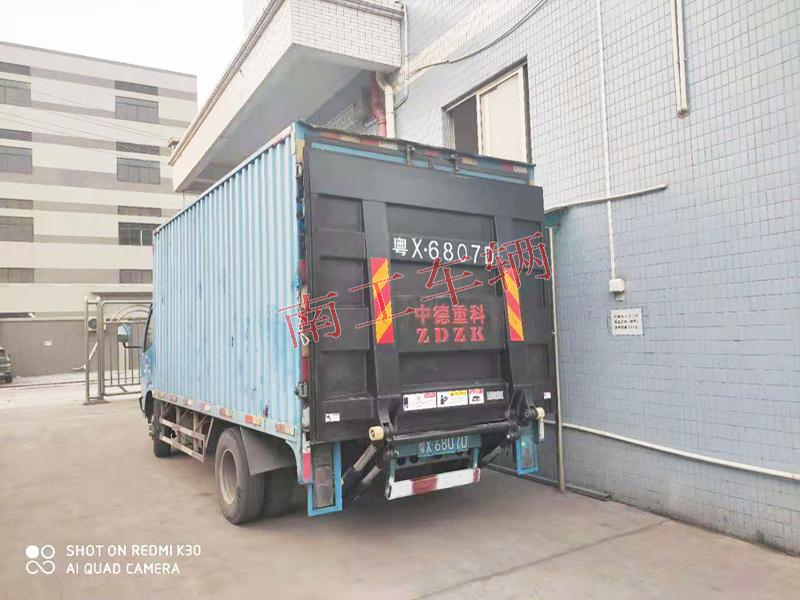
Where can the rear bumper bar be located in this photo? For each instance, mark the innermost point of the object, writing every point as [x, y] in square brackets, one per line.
[431, 483]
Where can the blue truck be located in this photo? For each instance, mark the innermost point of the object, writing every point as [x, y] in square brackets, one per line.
[342, 310]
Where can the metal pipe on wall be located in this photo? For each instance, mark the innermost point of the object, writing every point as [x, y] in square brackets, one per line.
[721, 462]
[376, 105]
[388, 103]
[612, 254]
[679, 57]
[562, 482]
[621, 196]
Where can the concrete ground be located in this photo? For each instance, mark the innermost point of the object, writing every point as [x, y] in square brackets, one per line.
[72, 474]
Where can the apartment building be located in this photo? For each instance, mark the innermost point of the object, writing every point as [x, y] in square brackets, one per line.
[84, 180]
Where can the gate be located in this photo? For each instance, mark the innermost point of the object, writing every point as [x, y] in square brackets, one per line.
[114, 332]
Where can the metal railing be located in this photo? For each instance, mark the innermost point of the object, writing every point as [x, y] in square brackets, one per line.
[114, 332]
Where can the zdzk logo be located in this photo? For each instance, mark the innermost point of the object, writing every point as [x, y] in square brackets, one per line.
[46, 565]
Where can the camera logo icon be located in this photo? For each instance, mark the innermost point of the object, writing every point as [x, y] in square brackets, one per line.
[40, 559]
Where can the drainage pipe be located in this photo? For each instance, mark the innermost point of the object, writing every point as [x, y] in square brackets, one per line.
[388, 103]
[377, 105]
[721, 462]
[578, 489]
[656, 188]
[679, 57]
[612, 254]
[562, 483]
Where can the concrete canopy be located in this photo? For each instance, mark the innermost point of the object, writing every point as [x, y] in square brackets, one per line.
[297, 56]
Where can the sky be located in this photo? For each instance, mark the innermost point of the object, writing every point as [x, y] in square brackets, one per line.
[191, 36]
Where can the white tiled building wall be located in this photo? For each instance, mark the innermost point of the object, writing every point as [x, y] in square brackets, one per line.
[713, 261]
[335, 26]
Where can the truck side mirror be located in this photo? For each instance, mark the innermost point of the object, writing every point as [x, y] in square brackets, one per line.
[124, 333]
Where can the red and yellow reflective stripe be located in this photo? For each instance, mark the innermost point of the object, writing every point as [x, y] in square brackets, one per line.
[381, 300]
[515, 330]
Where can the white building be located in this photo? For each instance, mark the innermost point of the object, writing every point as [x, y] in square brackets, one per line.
[84, 179]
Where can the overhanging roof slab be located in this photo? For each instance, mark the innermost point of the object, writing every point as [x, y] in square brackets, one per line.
[299, 53]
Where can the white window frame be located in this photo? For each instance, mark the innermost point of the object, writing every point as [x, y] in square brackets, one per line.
[521, 90]
[483, 91]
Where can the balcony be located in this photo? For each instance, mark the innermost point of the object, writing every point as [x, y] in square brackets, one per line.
[298, 54]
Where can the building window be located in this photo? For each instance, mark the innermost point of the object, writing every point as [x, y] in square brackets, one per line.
[136, 234]
[16, 229]
[493, 120]
[16, 160]
[16, 134]
[138, 171]
[14, 68]
[133, 109]
[139, 211]
[135, 276]
[16, 203]
[140, 88]
[17, 93]
[15, 275]
[140, 148]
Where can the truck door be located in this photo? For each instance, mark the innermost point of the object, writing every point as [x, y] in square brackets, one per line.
[416, 242]
[147, 361]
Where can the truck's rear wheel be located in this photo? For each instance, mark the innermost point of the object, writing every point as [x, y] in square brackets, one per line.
[160, 448]
[278, 488]
[240, 495]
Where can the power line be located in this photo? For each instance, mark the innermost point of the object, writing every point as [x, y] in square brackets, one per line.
[90, 119]
[158, 140]
[64, 128]
[47, 128]
[486, 46]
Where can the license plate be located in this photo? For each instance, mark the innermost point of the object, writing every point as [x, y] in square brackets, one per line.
[449, 445]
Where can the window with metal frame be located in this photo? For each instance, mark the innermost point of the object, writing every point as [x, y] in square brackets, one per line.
[140, 88]
[16, 203]
[16, 160]
[138, 171]
[13, 92]
[493, 120]
[139, 211]
[135, 276]
[16, 275]
[138, 148]
[14, 68]
[134, 109]
[16, 134]
[136, 234]
[16, 229]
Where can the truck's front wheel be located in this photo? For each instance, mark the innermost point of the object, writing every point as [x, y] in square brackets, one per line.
[240, 495]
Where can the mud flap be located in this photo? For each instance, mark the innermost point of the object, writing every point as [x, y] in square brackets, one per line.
[526, 452]
[325, 489]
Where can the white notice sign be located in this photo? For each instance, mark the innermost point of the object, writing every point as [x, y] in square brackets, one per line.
[627, 321]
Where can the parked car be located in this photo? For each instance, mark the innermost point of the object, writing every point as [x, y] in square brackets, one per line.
[6, 370]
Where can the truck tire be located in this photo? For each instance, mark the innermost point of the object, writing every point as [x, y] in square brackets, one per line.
[240, 495]
[278, 488]
[161, 449]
